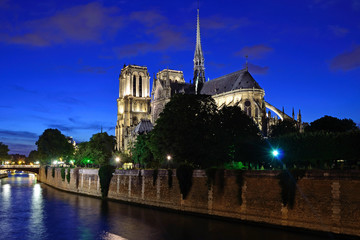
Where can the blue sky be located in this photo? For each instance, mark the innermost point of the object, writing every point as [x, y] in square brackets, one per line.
[60, 60]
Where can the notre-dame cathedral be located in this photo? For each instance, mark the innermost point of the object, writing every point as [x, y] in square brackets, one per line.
[138, 110]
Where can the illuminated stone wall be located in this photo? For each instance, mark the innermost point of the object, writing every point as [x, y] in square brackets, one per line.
[325, 201]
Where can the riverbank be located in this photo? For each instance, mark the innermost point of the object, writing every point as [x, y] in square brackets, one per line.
[3, 175]
[324, 200]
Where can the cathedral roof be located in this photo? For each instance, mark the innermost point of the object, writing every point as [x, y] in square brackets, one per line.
[144, 126]
[177, 87]
[241, 79]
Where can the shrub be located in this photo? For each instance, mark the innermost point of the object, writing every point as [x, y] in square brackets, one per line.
[240, 183]
[211, 175]
[53, 172]
[46, 171]
[287, 182]
[63, 174]
[155, 176]
[105, 174]
[170, 180]
[68, 175]
[184, 175]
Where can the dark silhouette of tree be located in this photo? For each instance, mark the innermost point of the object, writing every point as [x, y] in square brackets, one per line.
[331, 124]
[238, 136]
[33, 156]
[184, 130]
[283, 127]
[4, 149]
[52, 144]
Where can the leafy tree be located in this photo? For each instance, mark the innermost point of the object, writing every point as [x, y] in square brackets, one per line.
[33, 156]
[238, 136]
[331, 124]
[4, 149]
[141, 152]
[283, 127]
[97, 151]
[184, 130]
[53, 145]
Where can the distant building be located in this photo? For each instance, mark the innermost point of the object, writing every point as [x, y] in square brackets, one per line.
[234, 89]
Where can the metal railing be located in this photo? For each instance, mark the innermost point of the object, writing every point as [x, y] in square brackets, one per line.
[19, 166]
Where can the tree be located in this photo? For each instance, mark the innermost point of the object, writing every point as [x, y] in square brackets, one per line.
[283, 127]
[4, 149]
[184, 130]
[33, 156]
[331, 124]
[238, 136]
[141, 152]
[52, 144]
[97, 151]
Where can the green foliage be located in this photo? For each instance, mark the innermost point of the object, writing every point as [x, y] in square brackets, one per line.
[184, 130]
[317, 149]
[331, 124]
[105, 175]
[240, 183]
[53, 145]
[235, 165]
[155, 175]
[170, 177]
[68, 175]
[63, 173]
[98, 151]
[283, 127]
[33, 156]
[287, 182]
[141, 153]
[4, 149]
[46, 171]
[184, 174]
[53, 172]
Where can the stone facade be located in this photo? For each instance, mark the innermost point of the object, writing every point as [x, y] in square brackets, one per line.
[325, 200]
[133, 103]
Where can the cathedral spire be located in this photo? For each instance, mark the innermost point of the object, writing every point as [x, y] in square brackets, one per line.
[199, 69]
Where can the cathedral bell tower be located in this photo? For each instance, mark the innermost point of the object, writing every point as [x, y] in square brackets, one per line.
[199, 69]
[133, 103]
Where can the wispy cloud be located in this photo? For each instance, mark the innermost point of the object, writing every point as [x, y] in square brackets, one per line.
[255, 52]
[18, 134]
[82, 23]
[156, 26]
[256, 69]
[217, 22]
[94, 69]
[346, 61]
[338, 31]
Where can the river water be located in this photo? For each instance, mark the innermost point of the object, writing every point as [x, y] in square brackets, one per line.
[31, 210]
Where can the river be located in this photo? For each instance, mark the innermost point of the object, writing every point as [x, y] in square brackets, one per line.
[32, 210]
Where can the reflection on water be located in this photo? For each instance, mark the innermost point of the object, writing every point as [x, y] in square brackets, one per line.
[30, 210]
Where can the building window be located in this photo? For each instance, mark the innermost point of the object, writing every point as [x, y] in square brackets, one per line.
[134, 85]
[140, 86]
[247, 108]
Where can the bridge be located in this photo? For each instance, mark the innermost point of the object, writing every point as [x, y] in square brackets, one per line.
[26, 168]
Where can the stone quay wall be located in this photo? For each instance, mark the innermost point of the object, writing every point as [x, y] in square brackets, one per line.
[325, 200]
[3, 175]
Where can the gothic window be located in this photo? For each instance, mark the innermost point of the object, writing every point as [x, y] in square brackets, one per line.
[140, 86]
[134, 85]
[247, 108]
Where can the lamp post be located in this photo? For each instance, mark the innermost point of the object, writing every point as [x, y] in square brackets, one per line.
[117, 159]
[168, 157]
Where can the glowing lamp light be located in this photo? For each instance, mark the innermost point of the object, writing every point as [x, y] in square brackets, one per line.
[117, 159]
[275, 153]
[168, 157]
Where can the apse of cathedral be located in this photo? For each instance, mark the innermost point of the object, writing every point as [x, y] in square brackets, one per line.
[138, 111]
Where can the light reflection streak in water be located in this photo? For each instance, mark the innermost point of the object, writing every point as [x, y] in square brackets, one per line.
[36, 224]
[5, 200]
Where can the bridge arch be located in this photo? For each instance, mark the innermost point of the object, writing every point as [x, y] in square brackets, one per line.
[25, 168]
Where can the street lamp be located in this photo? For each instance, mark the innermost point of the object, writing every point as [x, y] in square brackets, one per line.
[117, 159]
[168, 157]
